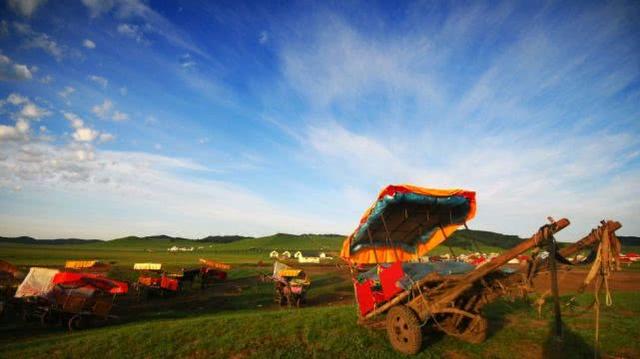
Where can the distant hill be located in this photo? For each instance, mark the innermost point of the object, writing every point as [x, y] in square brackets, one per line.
[223, 239]
[630, 241]
[31, 240]
[282, 241]
[463, 239]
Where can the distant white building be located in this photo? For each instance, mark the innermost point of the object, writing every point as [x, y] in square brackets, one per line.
[286, 254]
[274, 254]
[303, 259]
[180, 249]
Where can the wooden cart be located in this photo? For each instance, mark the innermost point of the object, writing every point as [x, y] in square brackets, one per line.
[451, 303]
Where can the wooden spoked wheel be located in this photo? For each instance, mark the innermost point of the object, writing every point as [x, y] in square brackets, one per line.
[403, 330]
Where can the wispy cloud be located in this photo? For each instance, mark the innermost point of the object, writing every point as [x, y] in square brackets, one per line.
[506, 134]
[39, 40]
[89, 44]
[10, 70]
[25, 7]
[103, 82]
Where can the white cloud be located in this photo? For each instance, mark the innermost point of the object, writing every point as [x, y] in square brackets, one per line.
[26, 112]
[25, 7]
[13, 71]
[33, 112]
[85, 134]
[16, 99]
[337, 64]
[131, 31]
[106, 137]
[82, 132]
[98, 7]
[19, 131]
[39, 40]
[103, 110]
[151, 22]
[119, 116]
[99, 80]
[67, 91]
[186, 62]
[139, 181]
[76, 121]
[89, 44]
[4, 28]
[395, 109]
[46, 79]
[106, 110]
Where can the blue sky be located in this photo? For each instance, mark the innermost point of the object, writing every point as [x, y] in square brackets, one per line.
[196, 118]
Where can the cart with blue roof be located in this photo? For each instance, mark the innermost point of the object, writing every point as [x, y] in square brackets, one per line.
[405, 293]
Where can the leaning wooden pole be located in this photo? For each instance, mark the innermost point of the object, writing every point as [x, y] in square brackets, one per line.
[544, 234]
[590, 239]
[541, 237]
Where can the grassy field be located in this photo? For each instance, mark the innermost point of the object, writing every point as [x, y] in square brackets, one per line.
[332, 331]
[226, 322]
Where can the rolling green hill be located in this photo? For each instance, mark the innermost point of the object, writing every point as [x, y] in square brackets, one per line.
[462, 240]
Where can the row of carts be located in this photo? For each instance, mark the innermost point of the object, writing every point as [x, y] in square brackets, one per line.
[81, 295]
[154, 281]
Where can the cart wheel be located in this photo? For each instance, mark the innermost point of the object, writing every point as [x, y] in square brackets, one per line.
[45, 318]
[476, 331]
[403, 330]
[75, 322]
[143, 293]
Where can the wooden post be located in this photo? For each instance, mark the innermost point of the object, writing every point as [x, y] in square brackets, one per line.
[554, 290]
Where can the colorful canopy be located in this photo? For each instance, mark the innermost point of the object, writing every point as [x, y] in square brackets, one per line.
[215, 265]
[92, 281]
[406, 222]
[147, 266]
[38, 282]
[7, 267]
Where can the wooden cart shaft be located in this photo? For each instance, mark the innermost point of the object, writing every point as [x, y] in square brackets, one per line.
[423, 307]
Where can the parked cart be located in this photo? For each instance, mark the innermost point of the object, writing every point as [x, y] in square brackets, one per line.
[154, 281]
[75, 299]
[406, 222]
[8, 284]
[212, 271]
[290, 284]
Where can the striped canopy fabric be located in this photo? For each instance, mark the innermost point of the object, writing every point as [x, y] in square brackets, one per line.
[405, 222]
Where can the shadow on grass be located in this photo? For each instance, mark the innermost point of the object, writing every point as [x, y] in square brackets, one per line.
[497, 312]
[569, 345]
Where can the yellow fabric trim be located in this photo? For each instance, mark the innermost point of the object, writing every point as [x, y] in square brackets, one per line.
[147, 266]
[80, 264]
[289, 272]
[213, 264]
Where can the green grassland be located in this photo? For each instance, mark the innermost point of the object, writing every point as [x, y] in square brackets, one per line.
[129, 250]
[223, 323]
[515, 331]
